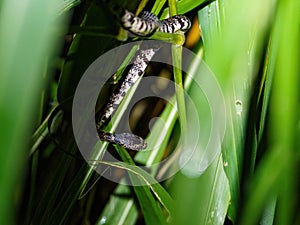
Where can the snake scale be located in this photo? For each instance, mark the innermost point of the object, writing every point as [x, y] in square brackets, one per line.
[143, 25]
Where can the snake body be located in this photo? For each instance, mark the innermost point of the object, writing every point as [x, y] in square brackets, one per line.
[144, 25]
[147, 23]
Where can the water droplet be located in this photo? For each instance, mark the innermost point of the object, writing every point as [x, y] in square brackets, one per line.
[238, 107]
[209, 12]
[103, 220]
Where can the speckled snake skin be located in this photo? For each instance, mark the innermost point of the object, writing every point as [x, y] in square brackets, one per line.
[143, 25]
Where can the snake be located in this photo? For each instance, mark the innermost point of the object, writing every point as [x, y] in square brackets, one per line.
[143, 25]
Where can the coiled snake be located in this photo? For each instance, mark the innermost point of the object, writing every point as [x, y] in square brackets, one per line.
[144, 25]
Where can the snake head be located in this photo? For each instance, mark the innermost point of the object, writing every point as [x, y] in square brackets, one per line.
[130, 141]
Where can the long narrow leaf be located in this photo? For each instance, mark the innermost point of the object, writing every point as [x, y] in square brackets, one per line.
[27, 38]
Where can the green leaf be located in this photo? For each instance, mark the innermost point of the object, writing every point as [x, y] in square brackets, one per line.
[27, 39]
[237, 98]
[121, 208]
[185, 6]
[204, 199]
[141, 182]
[86, 48]
[275, 175]
[145, 179]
